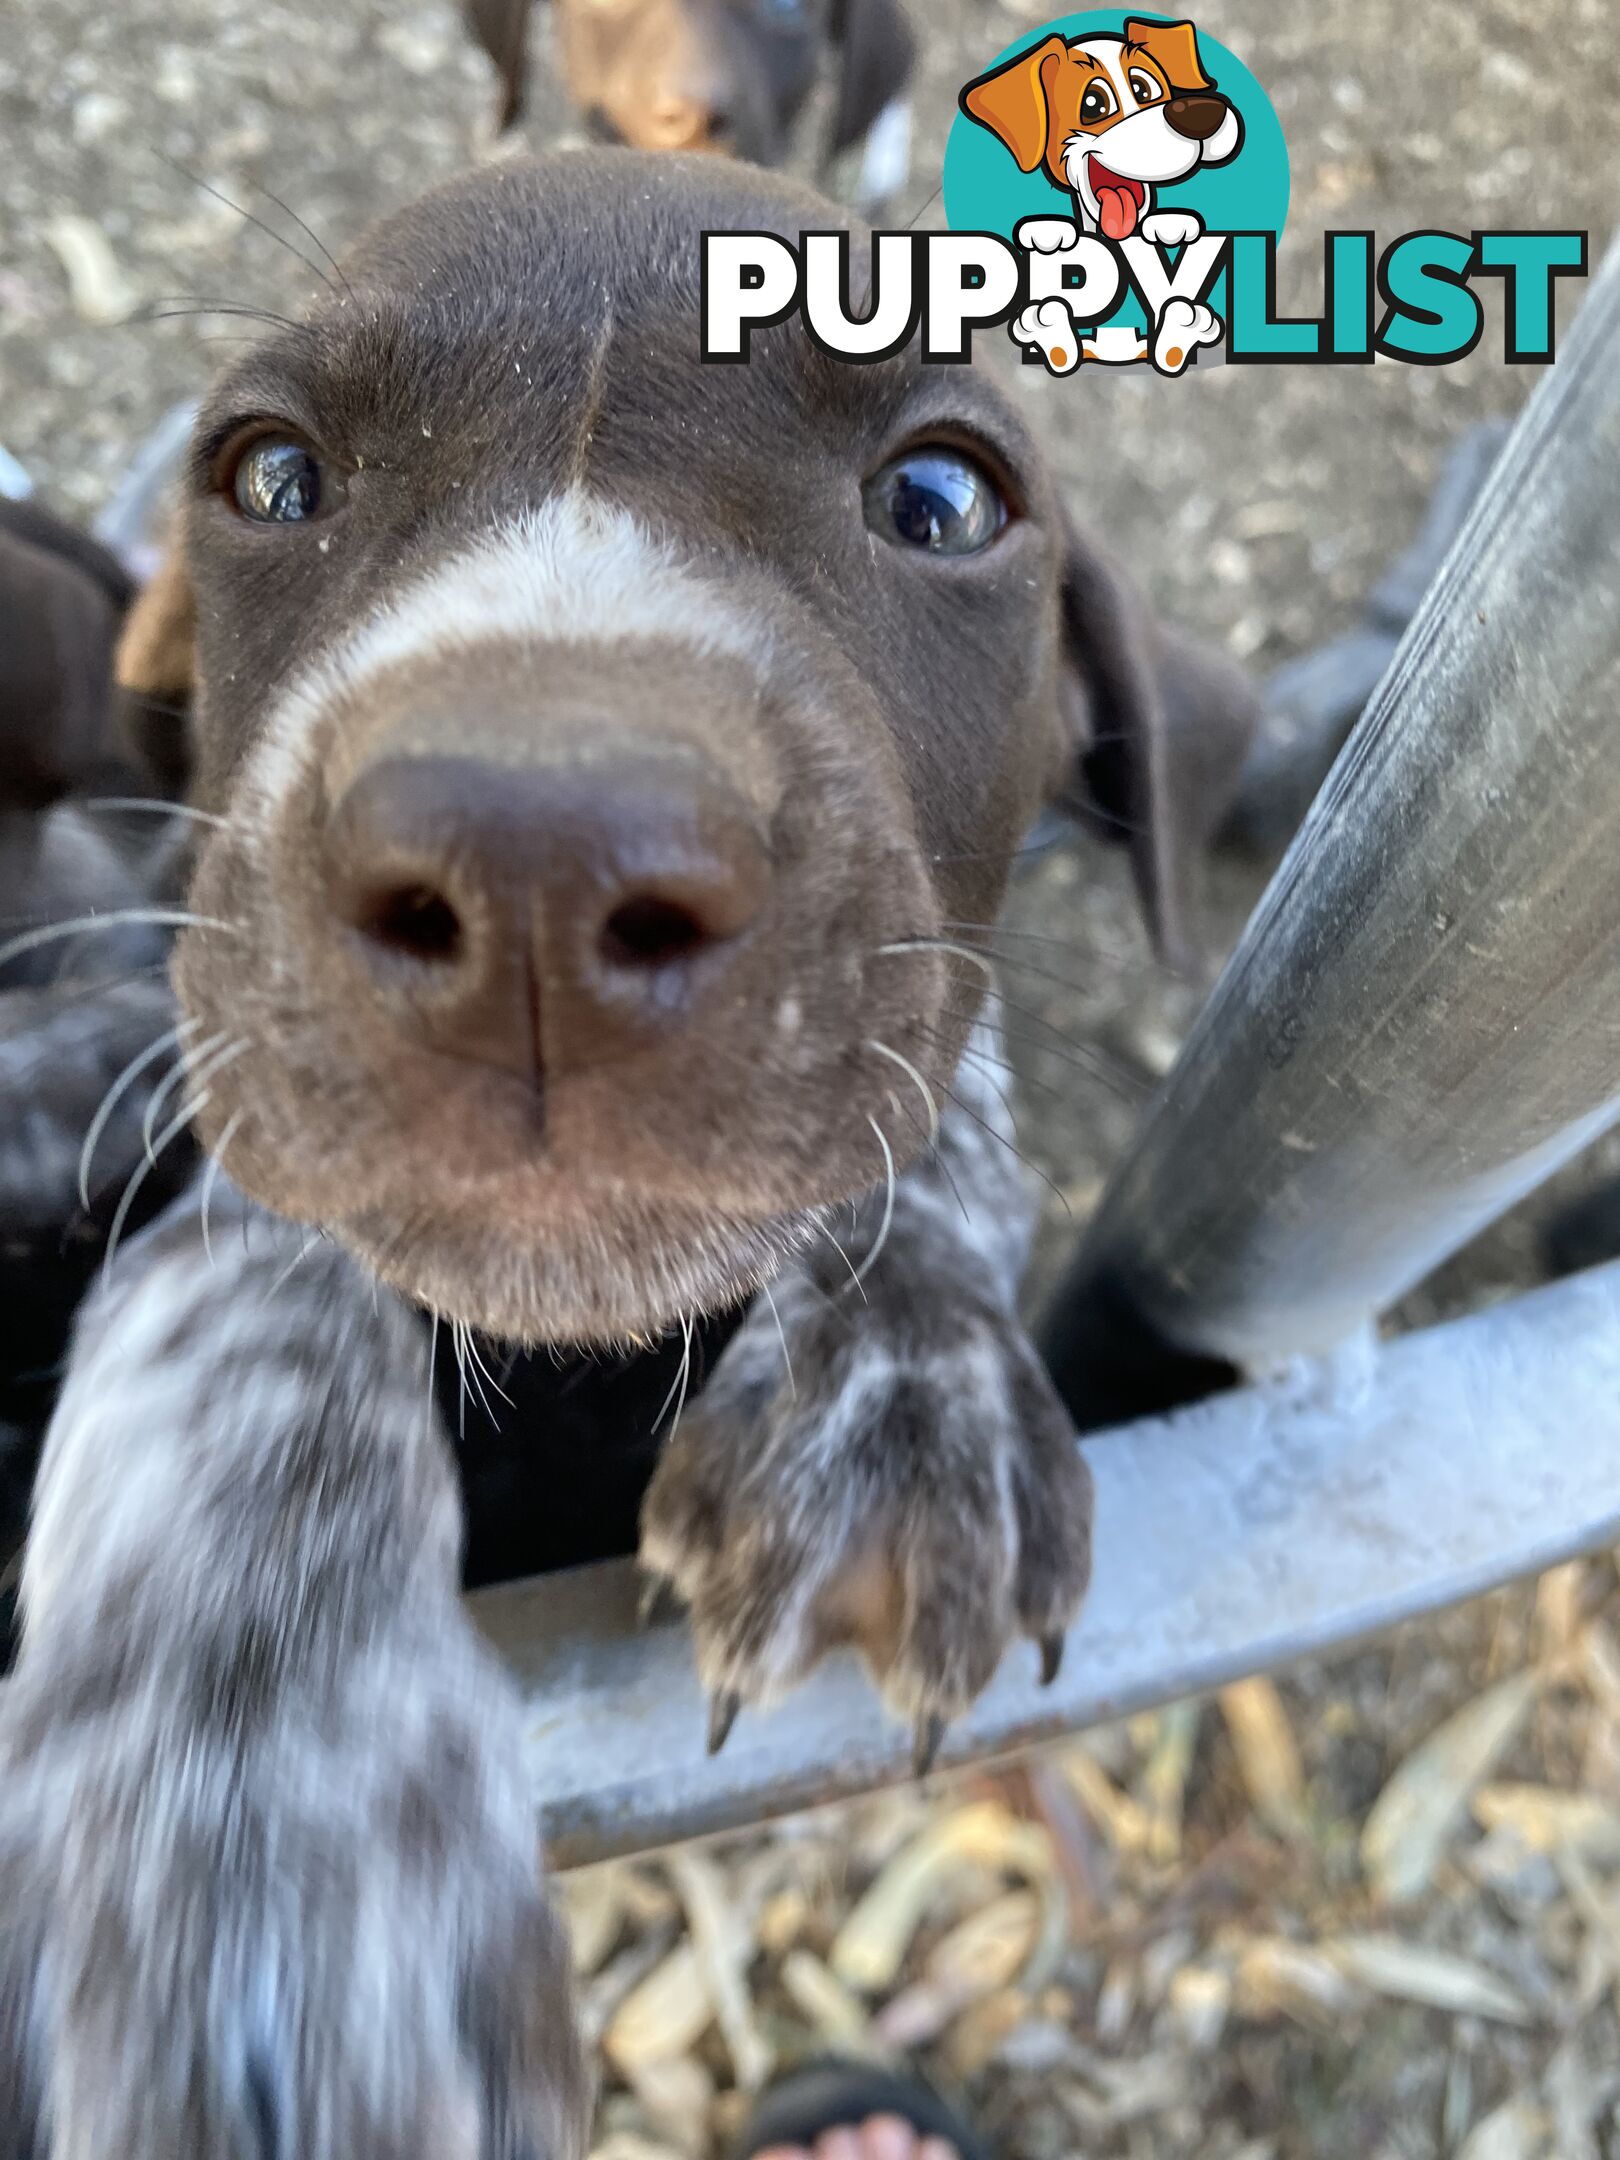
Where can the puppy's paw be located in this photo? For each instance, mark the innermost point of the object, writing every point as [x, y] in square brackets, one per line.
[905, 1482]
[224, 1937]
[1171, 228]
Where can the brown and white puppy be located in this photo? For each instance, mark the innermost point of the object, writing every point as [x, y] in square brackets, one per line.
[722, 75]
[608, 751]
[1109, 118]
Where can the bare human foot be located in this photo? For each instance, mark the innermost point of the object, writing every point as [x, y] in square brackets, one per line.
[880, 2137]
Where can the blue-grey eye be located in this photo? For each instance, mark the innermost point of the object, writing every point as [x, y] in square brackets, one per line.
[937, 499]
[278, 481]
[784, 12]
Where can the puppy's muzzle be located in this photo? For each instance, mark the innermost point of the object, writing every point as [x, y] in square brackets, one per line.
[1198, 118]
[547, 917]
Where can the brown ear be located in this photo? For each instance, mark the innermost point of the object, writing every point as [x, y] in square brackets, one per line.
[1158, 728]
[1011, 102]
[876, 51]
[1174, 45]
[154, 667]
[502, 28]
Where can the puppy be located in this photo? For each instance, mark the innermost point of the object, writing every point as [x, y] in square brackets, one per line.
[726, 75]
[612, 757]
[1110, 118]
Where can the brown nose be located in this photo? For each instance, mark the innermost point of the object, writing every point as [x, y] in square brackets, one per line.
[544, 919]
[675, 121]
[1195, 117]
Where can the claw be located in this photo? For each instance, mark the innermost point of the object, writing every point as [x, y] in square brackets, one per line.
[1051, 1658]
[723, 1710]
[930, 1731]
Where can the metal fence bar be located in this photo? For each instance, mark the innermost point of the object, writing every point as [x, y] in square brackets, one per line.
[1422, 1019]
[1251, 1529]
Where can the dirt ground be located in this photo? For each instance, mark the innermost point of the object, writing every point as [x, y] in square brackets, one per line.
[1182, 1937]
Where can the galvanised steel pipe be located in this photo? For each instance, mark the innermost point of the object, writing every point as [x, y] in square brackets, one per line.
[1422, 1019]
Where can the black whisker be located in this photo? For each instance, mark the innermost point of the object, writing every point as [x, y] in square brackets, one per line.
[220, 196]
[968, 1110]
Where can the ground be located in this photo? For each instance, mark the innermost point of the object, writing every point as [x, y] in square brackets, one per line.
[1182, 1937]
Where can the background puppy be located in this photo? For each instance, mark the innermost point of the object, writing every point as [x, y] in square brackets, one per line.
[725, 75]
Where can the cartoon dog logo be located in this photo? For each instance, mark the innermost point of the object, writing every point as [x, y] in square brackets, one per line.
[1109, 118]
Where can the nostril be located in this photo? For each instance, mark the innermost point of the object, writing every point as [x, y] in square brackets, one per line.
[413, 920]
[651, 933]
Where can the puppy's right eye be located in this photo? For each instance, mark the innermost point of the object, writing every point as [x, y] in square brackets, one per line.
[935, 498]
[278, 480]
[1097, 104]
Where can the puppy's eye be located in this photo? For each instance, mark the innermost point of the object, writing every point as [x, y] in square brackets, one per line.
[937, 499]
[279, 481]
[785, 14]
[1097, 104]
[1146, 89]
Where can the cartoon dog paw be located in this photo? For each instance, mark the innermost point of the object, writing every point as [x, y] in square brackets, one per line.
[1046, 235]
[1182, 328]
[1048, 327]
[908, 1485]
[1172, 228]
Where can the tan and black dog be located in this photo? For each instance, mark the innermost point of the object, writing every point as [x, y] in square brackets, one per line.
[730, 76]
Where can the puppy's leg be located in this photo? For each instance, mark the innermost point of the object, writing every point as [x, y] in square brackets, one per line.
[884, 1462]
[268, 1863]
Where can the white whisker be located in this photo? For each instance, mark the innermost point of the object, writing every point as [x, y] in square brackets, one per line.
[115, 1094]
[793, 1385]
[679, 1382]
[945, 945]
[174, 1078]
[176, 1125]
[923, 1088]
[478, 1361]
[211, 1174]
[888, 1202]
[154, 806]
[115, 918]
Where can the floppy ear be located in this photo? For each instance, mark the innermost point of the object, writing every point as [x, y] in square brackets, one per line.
[1175, 47]
[1156, 730]
[154, 668]
[1011, 102]
[502, 28]
[60, 600]
[875, 55]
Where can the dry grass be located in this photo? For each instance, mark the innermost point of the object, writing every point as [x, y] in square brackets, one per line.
[1371, 1911]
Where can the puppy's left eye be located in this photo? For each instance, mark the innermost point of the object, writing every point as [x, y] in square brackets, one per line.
[1146, 89]
[937, 499]
[278, 480]
[788, 14]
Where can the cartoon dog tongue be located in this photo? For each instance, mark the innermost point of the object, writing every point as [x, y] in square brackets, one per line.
[1117, 201]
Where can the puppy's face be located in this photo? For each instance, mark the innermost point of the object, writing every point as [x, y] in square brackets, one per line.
[605, 744]
[719, 75]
